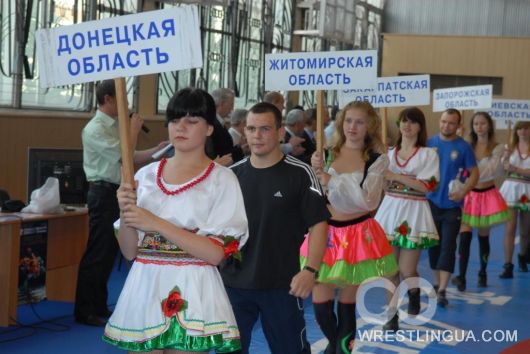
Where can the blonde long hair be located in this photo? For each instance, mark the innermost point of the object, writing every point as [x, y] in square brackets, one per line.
[372, 140]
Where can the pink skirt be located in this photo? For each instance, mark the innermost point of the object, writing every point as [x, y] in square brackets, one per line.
[484, 208]
[357, 250]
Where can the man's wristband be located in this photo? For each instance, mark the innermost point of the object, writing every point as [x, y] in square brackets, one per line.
[312, 270]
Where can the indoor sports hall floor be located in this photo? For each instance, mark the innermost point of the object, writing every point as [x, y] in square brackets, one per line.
[477, 321]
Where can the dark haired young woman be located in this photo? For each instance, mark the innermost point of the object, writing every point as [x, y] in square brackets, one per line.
[184, 217]
[405, 214]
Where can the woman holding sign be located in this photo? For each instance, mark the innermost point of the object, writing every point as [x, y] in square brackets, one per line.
[184, 217]
[484, 205]
[516, 192]
[357, 246]
[405, 214]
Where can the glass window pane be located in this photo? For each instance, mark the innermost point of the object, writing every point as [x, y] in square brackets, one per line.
[73, 97]
[47, 14]
[7, 42]
[377, 3]
[236, 62]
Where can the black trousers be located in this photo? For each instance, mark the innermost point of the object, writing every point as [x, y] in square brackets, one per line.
[281, 315]
[102, 247]
[447, 221]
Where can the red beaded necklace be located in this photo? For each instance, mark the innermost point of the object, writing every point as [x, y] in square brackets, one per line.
[184, 187]
[402, 165]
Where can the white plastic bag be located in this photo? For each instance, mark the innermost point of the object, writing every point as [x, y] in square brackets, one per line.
[46, 199]
[456, 186]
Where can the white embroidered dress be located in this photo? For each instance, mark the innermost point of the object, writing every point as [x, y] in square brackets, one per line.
[405, 214]
[516, 188]
[490, 167]
[211, 208]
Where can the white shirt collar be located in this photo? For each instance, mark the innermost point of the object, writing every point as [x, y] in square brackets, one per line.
[289, 131]
[234, 131]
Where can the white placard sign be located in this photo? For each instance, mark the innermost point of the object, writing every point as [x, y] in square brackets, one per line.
[321, 70]
[144, 43]
[505, 110]
[392, 91]
[462, 98]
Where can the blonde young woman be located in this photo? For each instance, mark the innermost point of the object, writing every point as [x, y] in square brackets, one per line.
[484, 205]
[516, 192]
[405, 214]
[357, 246]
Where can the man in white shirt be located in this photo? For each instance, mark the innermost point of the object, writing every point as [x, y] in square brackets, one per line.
[101, 163]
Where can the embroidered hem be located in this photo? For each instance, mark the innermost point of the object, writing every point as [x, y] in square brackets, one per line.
[175, 337]
[423, 241]
[519, 206]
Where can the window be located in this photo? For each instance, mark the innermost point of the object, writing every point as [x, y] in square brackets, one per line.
[234, 43]
[19, 79]
[347, 25]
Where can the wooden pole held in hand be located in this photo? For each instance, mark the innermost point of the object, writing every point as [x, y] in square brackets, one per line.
[510, 138]
[384, 128]
[123, 120]
[320, 121]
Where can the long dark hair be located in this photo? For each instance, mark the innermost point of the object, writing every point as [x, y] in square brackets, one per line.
[415, 115]
[491, 133]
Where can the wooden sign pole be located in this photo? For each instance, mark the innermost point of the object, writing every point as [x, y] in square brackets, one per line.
[123, 120]
[320, 121]
[384, 128]
[510, 140]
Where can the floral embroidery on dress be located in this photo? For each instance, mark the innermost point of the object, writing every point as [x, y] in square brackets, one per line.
[156, 242]
[229, 244]
[431, 184]
[524, 202]
[403, 229]
[344, 242]
[367, 235]
[174, 303]
[231, 248]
